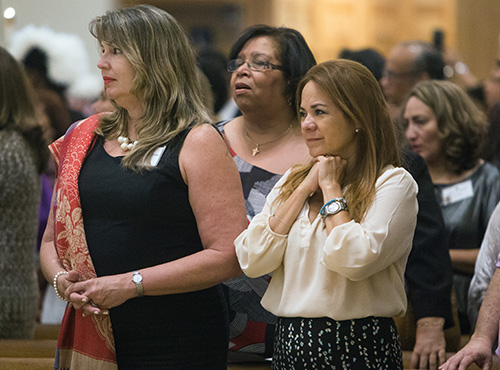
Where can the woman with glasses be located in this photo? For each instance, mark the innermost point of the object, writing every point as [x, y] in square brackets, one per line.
[266, 65]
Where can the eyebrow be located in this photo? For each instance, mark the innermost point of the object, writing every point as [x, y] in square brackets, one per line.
[418, 115]
[318, 105]
[254, 55]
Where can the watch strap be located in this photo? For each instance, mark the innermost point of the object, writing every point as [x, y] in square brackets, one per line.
[342, 207]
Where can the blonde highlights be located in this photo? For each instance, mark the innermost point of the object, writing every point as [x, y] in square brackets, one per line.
[165, 83]
[354, 90]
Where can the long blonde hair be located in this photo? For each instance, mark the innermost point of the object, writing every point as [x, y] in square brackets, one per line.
[165, 82]
[354, 90]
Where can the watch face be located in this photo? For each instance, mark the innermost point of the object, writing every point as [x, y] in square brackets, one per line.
[333, 207]
[137, 278]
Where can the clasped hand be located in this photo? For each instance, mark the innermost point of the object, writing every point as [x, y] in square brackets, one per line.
[327, 172]
[94, 296]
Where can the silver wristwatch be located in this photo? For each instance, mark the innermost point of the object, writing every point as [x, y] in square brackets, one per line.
[333, 207]
[137, 279]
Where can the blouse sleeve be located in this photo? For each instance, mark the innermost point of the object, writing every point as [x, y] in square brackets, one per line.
[359, 250]
[485, 265]
[259, 249]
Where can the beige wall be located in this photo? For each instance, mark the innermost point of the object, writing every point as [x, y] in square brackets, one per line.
[471, 26]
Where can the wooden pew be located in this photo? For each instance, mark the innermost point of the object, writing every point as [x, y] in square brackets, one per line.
[37, 348]
[46, 331]
[406, 362]
[16, 363]
[39, 354]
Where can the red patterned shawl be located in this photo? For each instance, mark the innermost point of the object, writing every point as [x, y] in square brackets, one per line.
[84, 342]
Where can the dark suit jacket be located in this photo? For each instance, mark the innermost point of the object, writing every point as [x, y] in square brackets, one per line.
[428, 273]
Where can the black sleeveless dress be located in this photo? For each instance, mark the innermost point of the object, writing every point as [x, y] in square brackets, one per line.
[137, 220]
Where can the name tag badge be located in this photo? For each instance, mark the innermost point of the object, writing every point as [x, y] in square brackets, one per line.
[457, 192]
[157, 155]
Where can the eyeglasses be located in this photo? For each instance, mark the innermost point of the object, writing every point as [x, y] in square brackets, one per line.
[253, 65]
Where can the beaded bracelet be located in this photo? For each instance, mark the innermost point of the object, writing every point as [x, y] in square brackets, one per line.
[427, 324]
[54, 284]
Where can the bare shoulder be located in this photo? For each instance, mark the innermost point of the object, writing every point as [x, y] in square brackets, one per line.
[204, 150]
[204, 137]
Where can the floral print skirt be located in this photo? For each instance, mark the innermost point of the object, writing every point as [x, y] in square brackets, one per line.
[323, 343]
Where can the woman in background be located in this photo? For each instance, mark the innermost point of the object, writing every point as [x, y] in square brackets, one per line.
[266, 65]
[447, 129]
[336, 232]
[23, 157]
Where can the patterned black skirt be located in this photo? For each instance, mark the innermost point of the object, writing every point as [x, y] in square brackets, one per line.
[323, 343]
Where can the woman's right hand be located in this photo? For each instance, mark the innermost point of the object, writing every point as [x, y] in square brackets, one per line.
[330, 171]
[311, 184]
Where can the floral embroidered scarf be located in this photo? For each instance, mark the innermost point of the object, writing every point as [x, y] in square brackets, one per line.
[83, 342]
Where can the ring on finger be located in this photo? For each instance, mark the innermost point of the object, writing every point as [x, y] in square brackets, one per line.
[93, 304]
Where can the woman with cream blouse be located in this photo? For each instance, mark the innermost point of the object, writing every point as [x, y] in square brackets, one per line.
[336, 233]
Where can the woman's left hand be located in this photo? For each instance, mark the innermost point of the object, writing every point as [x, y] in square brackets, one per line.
[97, 295]
[330, 171]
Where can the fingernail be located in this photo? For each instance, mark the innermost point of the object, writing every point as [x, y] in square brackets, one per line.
[105, 313]
[96, 313]
[83, 314]
[84, 300]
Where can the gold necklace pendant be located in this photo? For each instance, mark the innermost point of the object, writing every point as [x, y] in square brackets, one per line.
[256, 150]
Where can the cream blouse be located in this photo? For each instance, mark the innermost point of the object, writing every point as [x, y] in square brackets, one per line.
[355, 272]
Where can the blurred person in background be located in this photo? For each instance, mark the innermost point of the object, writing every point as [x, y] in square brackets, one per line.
[23, 157]
[406, 64]
[446, 128]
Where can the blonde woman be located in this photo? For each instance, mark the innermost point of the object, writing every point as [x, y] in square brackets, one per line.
[336, 233]
[144, 221]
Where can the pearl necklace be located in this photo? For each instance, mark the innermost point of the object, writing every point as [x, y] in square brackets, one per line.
[126, 144]
[256, 150]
